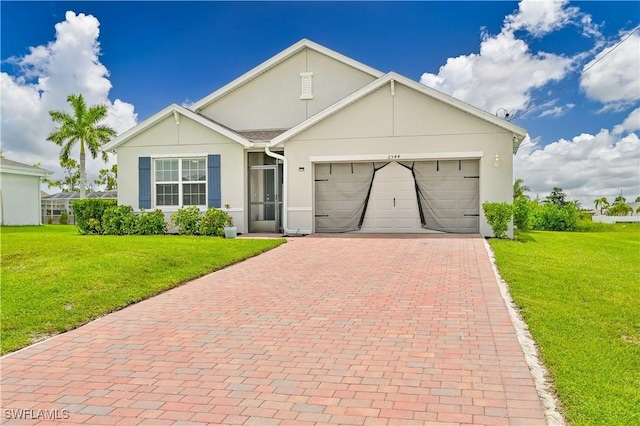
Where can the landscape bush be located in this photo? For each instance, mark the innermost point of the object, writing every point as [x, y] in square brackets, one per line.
[190, 221]
[523, 213]
[151, 223]
[552, 217]
[187, 219]
[498, 216]
[88, 213]
[213, 222]
[120, 220]
[64, 218]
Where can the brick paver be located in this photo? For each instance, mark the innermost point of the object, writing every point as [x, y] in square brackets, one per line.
[320, 330]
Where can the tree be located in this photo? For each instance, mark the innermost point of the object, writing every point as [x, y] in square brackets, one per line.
[81, 128]
[619, 209]
[637, 199]
[557, 197]
[519, 189]
[71, 180]
[619, 200]
[603, 203]
[108, 178]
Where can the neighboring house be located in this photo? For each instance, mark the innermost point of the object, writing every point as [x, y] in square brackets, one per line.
[55, 204]
[20, 193]
[313, 141]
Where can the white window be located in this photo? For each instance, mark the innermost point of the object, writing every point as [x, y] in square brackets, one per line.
[181, 182]
[306, 79]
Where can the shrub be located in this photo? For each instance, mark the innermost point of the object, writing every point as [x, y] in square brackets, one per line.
[187, 219]
[498, 216]
[89, 212]
[50, 220]
[120, 220]
[64, 218]
[551, 217]
[523, 213]
[151, 223]
[213, 222]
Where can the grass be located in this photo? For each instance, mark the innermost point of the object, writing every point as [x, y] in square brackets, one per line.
[579, 292]
[54, 279]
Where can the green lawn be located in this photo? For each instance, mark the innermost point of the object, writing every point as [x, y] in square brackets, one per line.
[54, 279]
[580, 295]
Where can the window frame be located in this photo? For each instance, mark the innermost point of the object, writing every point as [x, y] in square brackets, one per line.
[180, 182]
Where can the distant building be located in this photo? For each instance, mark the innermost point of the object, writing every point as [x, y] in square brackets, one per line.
[20, 193]
[53, 205]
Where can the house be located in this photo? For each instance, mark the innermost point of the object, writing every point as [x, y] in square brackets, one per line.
[20, 193]
[313, 141]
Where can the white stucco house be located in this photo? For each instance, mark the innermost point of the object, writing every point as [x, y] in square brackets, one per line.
[313, 141]
[20, 193]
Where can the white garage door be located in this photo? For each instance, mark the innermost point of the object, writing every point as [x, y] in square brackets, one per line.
[393, 205]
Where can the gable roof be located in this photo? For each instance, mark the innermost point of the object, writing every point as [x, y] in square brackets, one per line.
[280, 57]
[518, 131]
[15, 167]
[168, 111]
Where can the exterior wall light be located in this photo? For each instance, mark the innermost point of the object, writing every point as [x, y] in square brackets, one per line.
[496, 160]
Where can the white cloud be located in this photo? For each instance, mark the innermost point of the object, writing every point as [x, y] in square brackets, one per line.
[615, 80]
[45, 77]
[630, 124]
[506, 72]
[586, 167]
[557, 111]
[541, 17]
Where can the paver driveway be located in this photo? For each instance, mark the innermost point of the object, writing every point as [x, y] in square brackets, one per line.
[328, 330]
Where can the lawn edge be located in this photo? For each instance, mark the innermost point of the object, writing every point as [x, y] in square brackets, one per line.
[540, 374]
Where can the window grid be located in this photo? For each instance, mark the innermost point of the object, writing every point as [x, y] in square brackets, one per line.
[181, 182]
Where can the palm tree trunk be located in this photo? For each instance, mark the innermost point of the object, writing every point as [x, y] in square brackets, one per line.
[83, 177]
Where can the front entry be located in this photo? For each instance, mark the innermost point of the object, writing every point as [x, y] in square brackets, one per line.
[264, 198]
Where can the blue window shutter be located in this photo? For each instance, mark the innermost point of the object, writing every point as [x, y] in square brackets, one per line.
[214, 198]
[144, 182]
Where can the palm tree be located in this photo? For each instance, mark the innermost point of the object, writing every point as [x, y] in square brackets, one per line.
[519, 189]
[603, 203]
[83, 127]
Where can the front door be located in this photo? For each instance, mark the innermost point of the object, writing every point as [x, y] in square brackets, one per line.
[264, 199]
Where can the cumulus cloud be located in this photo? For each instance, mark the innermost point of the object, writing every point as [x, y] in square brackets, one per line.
[586, 167]
[43, 79]
[541, 17]
[505, 73]
[630, 124]
[612, 77]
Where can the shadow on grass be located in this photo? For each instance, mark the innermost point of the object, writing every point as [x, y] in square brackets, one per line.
[524, 237]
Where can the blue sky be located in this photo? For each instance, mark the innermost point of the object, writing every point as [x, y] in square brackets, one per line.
[507, 55]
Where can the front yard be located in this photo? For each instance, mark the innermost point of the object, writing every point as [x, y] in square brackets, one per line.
[54, 279]
[580, 295]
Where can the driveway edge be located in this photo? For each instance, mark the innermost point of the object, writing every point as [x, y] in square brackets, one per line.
[538, 371]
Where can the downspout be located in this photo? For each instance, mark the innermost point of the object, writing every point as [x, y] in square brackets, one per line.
[285, 186]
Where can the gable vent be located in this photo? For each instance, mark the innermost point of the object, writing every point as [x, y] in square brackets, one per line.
[306, 79]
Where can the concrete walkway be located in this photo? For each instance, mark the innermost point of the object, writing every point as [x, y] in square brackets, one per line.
[321, 330]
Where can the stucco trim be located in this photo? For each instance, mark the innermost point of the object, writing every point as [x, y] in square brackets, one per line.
[275, 60]
[464, 155]
[518, 132]
[172, 110]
